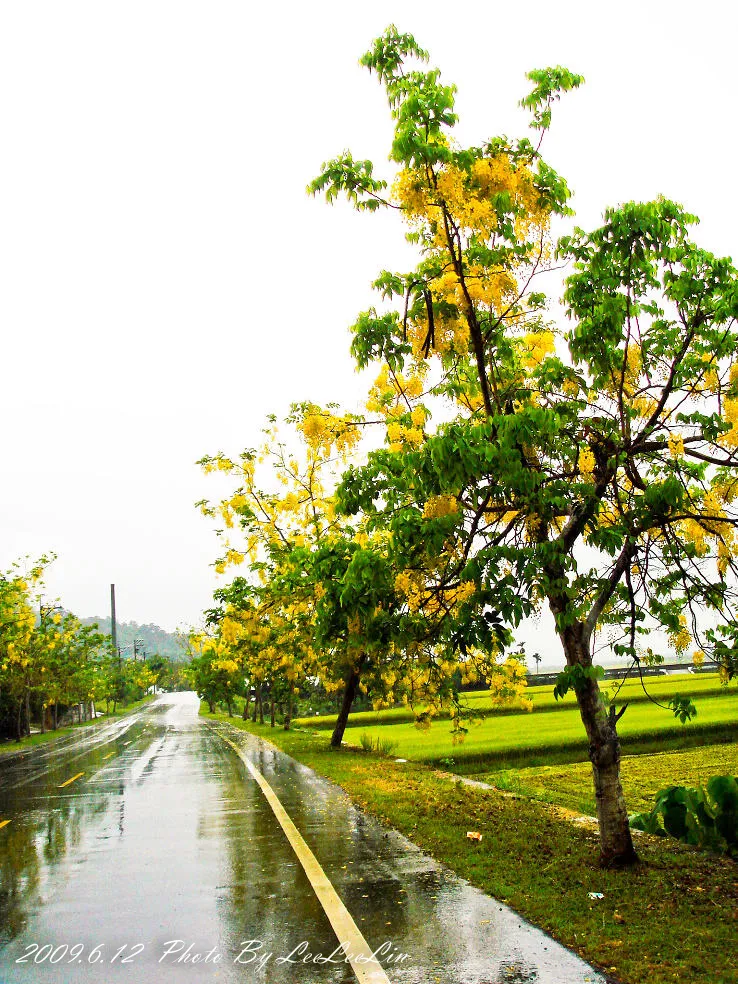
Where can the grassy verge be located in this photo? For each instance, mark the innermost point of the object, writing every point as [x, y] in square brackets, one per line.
[672, 918]
[11, 746]
[642, 776]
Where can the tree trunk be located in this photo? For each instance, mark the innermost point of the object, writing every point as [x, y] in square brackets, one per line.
[56, 715]
[616, 843]
[257, 698]
[288, 714]
[28, 710]
[272, 710]
[261, 707]
[229, 706]
[246, 705]
[348, 698]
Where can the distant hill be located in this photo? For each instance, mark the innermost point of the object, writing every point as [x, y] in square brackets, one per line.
[154, 638]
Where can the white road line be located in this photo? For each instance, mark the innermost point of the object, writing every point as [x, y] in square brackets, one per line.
[364, 964]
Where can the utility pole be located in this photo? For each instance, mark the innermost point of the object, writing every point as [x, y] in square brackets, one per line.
[113, 631]
[116, 649]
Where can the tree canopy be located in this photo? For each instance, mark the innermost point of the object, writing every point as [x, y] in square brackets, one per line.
[586, 466]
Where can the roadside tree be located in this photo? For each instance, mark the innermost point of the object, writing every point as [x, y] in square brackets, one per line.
[588, 467]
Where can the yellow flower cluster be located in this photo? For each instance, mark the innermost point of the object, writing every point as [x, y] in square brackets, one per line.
[730, 409]
[290, 503]
[230, 631]
[680, 639]
[632, 368]
[694, 532]
[404, 438]
[325, 430]
[710, 383]
[509, 683]
[390, 396]
[491, 287]
[536, 346]
[724, 555]
[469, 196]
[225, 664]
[644, 406]
[450, 335]
[409, 585]
[676, 445]
[457, 596]
[440, 505]
[587, 462]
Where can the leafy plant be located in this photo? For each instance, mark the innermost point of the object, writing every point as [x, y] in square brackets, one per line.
[703, 817]
[376, 744]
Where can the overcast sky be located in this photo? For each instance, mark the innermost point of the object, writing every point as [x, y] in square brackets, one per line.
[166, 282]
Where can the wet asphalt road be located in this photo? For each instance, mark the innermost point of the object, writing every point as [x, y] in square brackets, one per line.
[165, 849]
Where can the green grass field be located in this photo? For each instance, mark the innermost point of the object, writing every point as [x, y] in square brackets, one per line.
[527, 738]
[480, 702]
[642, 777]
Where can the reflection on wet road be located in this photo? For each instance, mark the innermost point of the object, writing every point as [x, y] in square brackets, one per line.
[162, 861]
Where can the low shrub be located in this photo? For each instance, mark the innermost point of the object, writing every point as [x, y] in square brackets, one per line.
[377, 744]
[705, 817]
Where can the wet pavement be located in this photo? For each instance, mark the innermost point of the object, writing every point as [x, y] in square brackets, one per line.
[163, 861]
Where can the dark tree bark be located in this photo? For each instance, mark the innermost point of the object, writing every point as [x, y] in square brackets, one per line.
[616, 842]
[348, 698]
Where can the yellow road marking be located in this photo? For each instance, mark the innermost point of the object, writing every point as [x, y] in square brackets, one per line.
[346, 930]
[4, 823]
[70, 780]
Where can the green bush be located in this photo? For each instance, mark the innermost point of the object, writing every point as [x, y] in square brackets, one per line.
[703, 817]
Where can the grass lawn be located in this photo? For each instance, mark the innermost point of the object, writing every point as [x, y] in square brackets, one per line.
[677, 912]
[522, 737]
[570, 785]
[480, 702]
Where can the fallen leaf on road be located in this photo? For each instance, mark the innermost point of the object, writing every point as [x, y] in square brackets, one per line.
[473, 835]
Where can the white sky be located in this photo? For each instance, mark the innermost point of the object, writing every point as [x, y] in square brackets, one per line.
[165, 281]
